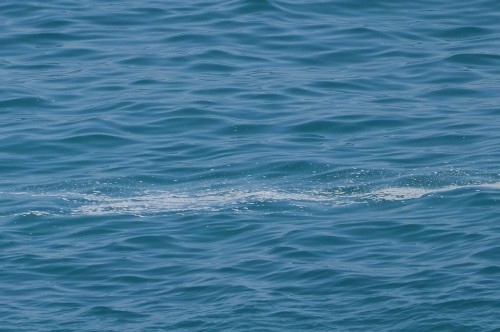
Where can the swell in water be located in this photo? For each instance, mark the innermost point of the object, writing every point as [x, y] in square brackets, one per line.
[150, 202]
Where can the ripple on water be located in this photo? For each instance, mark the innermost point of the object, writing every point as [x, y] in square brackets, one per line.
[249, 165]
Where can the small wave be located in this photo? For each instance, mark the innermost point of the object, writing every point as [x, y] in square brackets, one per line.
[407, 193]
[154, 202]
[160, 201]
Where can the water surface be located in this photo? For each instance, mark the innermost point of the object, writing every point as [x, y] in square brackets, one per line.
[249, 165]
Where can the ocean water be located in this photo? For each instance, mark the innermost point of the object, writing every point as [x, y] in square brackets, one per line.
[260, 165]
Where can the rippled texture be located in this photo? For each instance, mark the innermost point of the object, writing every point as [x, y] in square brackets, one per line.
[267, 165]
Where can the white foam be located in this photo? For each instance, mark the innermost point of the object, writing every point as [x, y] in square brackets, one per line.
[153, 202]
[407, 193]
[161, 201]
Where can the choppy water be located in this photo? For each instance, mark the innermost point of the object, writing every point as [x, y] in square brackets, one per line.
[266, 165]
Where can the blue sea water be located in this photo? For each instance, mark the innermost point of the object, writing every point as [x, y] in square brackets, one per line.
[259, 165]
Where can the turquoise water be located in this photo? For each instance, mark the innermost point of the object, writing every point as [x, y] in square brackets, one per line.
[266, 165]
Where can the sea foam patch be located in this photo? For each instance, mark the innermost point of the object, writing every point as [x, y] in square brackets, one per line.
[160, 201]
[149, 202]
[407, 193]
